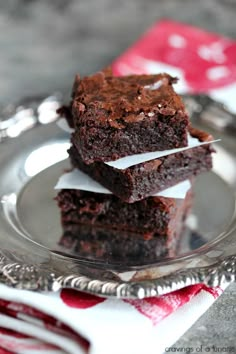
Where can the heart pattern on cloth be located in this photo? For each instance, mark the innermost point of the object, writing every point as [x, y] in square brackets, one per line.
[79, 300]
[202, 60]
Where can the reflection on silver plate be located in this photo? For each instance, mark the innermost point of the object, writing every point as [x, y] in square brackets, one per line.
[32, 255]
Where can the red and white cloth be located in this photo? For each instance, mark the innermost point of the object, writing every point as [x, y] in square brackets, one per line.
[203, 62]
[73, 322]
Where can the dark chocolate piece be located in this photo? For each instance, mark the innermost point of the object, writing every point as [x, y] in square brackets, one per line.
[149, 217]
[118, 116]
[65, 112]
[148, 178]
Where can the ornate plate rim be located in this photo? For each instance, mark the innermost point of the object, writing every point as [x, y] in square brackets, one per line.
[31, 277]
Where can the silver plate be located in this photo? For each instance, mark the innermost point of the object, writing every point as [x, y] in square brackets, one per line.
[32, 257]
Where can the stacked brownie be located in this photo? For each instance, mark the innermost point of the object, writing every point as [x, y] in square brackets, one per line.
[132, 135]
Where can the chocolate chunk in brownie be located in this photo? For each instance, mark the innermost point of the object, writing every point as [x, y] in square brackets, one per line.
[115, 117]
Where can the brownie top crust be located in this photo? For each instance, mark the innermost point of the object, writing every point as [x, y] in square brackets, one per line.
[126, 99]
[201, 135]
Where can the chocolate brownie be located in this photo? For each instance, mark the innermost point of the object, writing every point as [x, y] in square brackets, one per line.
[151, 216]
[110, 245]
[148, 178]
[65, 112]
[118, 116]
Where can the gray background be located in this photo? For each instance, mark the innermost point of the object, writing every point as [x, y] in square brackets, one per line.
[44, 43]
